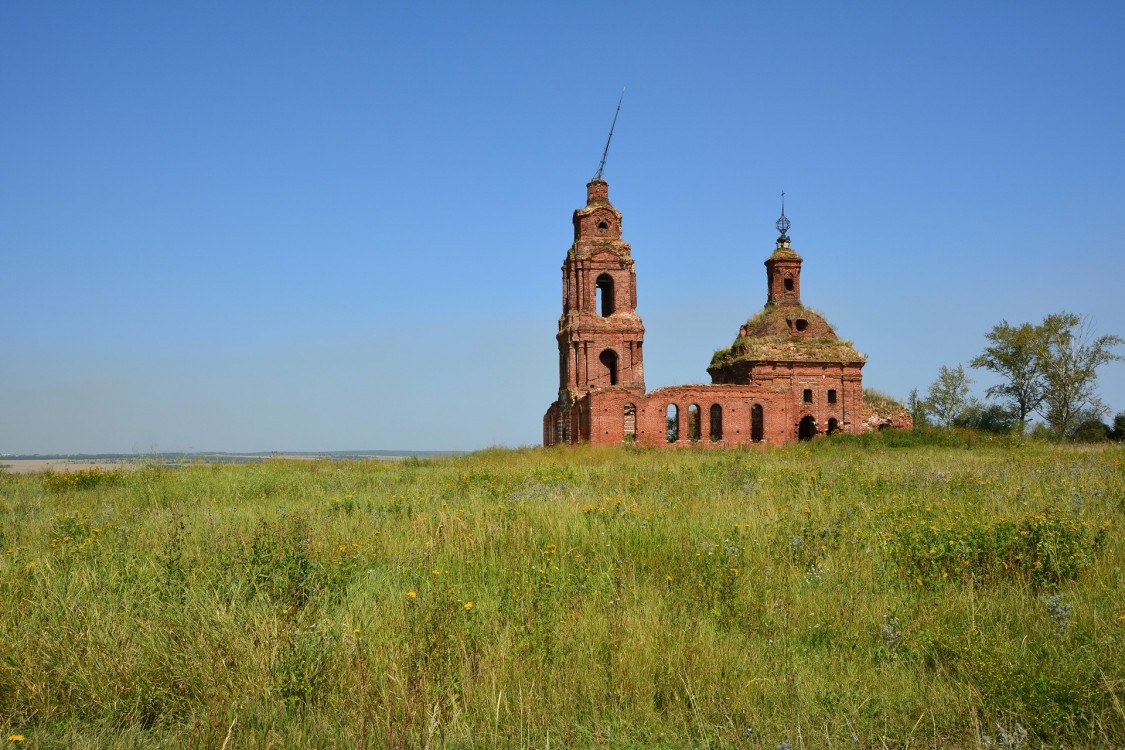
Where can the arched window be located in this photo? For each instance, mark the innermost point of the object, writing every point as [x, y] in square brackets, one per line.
[789, 285]
[757, 423]
[693, 419]
[630, 422]
[605, 295]
[672, 422]
[833, 425]
[806, 430]
[608, 359]
[716, 422]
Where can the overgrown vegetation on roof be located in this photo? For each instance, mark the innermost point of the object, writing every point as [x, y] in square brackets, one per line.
[879, 401]
[786, 349]
[770, 339]
[771, 311]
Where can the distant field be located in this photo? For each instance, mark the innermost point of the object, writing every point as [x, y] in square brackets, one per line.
[20, 464]
[863, 592]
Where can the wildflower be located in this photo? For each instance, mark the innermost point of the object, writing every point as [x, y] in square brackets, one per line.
[1058, 610]
[468, 606]
[355, 631]
[669, 578]
[15, 738]
[411, 594]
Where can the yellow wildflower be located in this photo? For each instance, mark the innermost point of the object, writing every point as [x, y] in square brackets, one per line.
[468, 606]
[15, 738]
[411, 594]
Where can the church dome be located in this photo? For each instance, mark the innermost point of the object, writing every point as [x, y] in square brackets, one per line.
[781, 333]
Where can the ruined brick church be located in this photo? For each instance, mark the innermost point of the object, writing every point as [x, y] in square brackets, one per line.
[786, 377]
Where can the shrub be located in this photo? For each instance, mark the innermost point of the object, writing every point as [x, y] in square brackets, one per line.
[82, 479]
[1043, 547]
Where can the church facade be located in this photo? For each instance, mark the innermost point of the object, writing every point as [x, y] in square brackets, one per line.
[786, 377]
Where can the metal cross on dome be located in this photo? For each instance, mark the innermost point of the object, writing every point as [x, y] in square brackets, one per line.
[783, 223]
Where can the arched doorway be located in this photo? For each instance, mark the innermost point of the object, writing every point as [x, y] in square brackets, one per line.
[630, 427]
[716, 423]
[757, 423]
[833, 426]
[693, 420]
[807, 429]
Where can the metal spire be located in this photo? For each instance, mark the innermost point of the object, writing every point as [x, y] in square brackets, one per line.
[783, 223]
[605, 153]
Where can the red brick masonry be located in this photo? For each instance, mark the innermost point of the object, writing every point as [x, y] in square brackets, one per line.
[786, 377]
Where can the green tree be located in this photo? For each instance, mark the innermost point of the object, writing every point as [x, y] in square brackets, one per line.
[917, 406]
[1069, 356]
[1013, 354]
[1118, 432]
[948, 396]
[987, 417]
[1091, 429]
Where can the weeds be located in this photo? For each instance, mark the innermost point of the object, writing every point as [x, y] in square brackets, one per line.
[1042, 547]
[1007, 738]
[304, 665]
[81, 479]
[812, 595]
[1058, 610]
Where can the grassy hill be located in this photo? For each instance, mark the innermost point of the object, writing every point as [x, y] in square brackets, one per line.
[885, 590]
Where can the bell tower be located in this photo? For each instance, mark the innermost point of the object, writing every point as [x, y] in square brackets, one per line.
[600, 334]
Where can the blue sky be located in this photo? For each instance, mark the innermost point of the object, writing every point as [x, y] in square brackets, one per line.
[335, 226]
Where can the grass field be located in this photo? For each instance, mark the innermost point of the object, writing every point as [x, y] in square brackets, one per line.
[861, 592]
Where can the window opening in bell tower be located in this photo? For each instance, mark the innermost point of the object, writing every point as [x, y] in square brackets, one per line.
[605, 295]
[609, 359]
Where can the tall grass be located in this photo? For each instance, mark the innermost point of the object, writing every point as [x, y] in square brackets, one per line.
[852, 593]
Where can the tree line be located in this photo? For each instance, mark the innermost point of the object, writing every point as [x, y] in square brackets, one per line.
[1047, 370]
